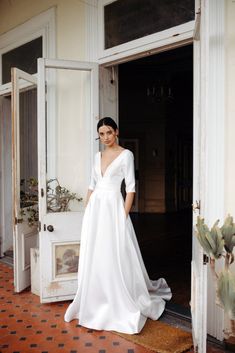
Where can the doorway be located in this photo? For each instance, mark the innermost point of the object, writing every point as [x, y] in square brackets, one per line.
[156, 123]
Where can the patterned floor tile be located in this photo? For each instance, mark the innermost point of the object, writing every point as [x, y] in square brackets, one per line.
[26, 326]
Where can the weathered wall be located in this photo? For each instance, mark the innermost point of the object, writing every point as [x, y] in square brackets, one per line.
[70, 22]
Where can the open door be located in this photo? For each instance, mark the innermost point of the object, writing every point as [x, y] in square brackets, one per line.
[5, 173]
[68, 113]
[24, 167]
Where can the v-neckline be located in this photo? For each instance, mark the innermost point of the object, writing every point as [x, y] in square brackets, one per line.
[102, 175]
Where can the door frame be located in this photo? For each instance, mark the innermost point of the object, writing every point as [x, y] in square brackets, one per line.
[21, 230]
[213, 125]
[147, 44]
[213, 140]
[3, 232]
[6, 91]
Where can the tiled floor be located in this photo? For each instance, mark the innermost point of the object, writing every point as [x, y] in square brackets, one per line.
[26, 326]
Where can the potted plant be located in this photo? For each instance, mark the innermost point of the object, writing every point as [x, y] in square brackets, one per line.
[218, 242]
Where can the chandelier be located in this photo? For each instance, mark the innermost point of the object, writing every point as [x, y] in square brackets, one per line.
[160, 92]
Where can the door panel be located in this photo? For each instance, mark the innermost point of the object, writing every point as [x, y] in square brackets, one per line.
[5, 175]
[24, 166]
[68, 111]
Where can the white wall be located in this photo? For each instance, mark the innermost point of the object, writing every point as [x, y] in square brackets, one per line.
[70, 22]
[230, 107]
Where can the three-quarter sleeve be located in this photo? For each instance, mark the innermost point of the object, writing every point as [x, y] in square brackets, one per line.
[92, 180]
[129, 172]
[93, 177]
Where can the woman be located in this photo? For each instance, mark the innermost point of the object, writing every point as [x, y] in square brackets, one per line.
[114, 290]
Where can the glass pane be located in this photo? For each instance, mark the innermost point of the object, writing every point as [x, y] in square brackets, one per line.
[5, 165]
[126, 20]
[28, 148]
[67, 114]
[24, 58]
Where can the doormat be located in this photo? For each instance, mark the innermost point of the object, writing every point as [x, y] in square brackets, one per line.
[161, 338]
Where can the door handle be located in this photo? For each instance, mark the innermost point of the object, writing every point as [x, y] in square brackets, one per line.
[50, 228]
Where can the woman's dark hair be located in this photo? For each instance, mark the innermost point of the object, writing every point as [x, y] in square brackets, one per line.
[107, 121]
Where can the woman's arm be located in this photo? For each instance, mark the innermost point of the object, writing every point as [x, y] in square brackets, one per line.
[129, 201]
[89, 192]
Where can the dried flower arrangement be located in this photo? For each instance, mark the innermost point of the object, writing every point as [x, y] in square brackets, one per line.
[58, 199]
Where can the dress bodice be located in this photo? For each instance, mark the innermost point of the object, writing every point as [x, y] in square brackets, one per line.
[122, 167]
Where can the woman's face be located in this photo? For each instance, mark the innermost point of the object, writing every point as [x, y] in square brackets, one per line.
[107, 135]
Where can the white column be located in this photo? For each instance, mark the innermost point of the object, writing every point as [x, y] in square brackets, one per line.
[214, 145]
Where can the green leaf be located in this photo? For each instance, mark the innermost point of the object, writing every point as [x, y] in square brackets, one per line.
[211, 240]
[228, 233]
[226, 291]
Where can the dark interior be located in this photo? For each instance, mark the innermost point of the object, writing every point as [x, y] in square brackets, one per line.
[156, 123]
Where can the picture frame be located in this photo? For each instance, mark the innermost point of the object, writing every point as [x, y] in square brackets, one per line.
[65, 260]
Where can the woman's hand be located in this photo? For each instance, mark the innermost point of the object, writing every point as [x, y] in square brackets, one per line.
[89, 192]
[128, 202]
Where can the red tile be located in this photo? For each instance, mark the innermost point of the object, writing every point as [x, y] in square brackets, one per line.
[39, 327]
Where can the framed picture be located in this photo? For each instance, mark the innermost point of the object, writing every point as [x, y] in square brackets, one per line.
[65, 260]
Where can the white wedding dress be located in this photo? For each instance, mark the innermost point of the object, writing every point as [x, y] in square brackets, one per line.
[114, 290]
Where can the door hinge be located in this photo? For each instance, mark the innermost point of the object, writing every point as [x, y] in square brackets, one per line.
[18, 220]
[39, 226]
[42, 192]
[196, 32]
[196, 206]
[205, 259]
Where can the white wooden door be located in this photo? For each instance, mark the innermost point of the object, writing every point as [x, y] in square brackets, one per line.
[199, 268]
[6, 227]
[25, 236]
[68, 113]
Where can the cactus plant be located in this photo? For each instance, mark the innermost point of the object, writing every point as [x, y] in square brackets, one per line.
[211, 240]
[228, 232]
[226, 292]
